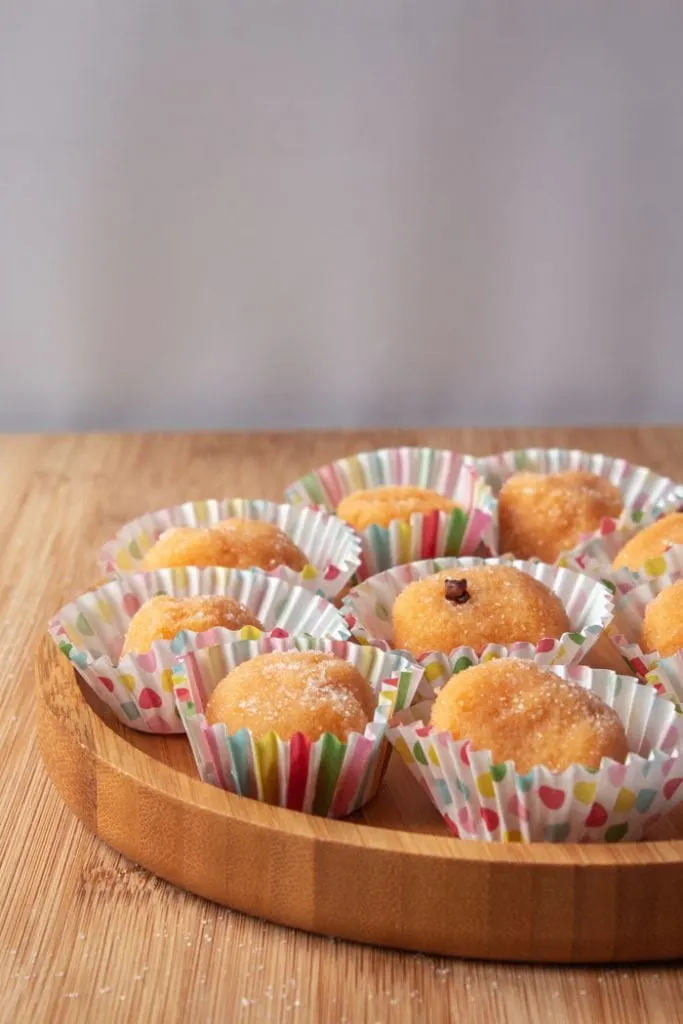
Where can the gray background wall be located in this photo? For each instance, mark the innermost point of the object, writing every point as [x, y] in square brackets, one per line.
[260, 213]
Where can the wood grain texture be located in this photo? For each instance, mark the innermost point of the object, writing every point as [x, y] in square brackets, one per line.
[534, 902]
[87, 936]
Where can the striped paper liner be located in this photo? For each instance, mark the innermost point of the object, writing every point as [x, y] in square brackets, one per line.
[139, 687]
[589, 605]
[330, 545]
[646, 494]
[629, 614]
[481, 799]
[328, 777]
[468, 530]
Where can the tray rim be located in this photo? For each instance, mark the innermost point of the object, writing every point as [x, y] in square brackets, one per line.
[99, 742]
[245, 809]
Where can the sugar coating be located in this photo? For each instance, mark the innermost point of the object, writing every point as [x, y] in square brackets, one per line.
[542, 515]
[381, 505]
[310, 692]
[650, 542]
[505, 606]
[663, 622]
[163, 616]
[529, 715]
[232, 543]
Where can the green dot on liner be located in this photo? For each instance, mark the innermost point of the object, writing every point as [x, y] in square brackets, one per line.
[462, 663]
[498, 772]
[616, 832]
[419, 754]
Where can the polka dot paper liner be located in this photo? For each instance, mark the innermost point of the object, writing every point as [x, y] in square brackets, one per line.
[646, 495]
[139, 687]
[629, 614]
[595, 555]
[470, 529]
[368, 608]
[328, 777]
[332, 548]
[481, 799]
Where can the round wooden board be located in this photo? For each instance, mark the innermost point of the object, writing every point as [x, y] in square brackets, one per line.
[390, 876]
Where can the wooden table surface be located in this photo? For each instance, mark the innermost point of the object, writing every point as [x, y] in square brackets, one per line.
[86, 935]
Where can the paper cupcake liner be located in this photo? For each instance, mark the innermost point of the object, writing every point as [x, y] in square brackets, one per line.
[367, 611]
[480, 799]
[139, 687]
[629, 613]
[330, 545]
[328, 777]
[468, 530]
[646, 494]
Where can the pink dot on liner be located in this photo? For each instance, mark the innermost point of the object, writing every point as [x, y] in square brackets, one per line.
[546, 645]
[207, 639]
[671, 739]
[465, 819]
[616, 773]
[131, 604]
[516, 807]
[147, 661]
[157, 724]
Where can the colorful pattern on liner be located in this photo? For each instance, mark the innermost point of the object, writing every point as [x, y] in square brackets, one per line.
[139, 687]
[646, 494]
[468, 530]
[589, 606]
[333, 549]
[480, 799]
[328, 777]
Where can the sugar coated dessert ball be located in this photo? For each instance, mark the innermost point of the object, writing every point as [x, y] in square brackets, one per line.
[650, 542]
[475, 606]
[663, 622]
[381, 505]
[163, 616]
[262, 544]
[542, 515]
[232, 543]
[529, 715]
[310, 692]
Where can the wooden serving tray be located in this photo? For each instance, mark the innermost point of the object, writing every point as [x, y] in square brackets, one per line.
[391, 875]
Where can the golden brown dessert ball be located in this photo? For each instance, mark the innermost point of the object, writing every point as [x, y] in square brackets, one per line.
[498, 605]
[529, 715]
[381, 505]
[663, 622]
[542, 515]
[650, 542]
[310, 692]
[163, 616]
[232, 543]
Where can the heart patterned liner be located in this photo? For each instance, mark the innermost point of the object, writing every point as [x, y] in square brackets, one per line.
[646, 494]
[328, 777]
[470, 529]
[629, 613]
[589, 605]
[480, 799]
[332, 548]
[139, 687]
